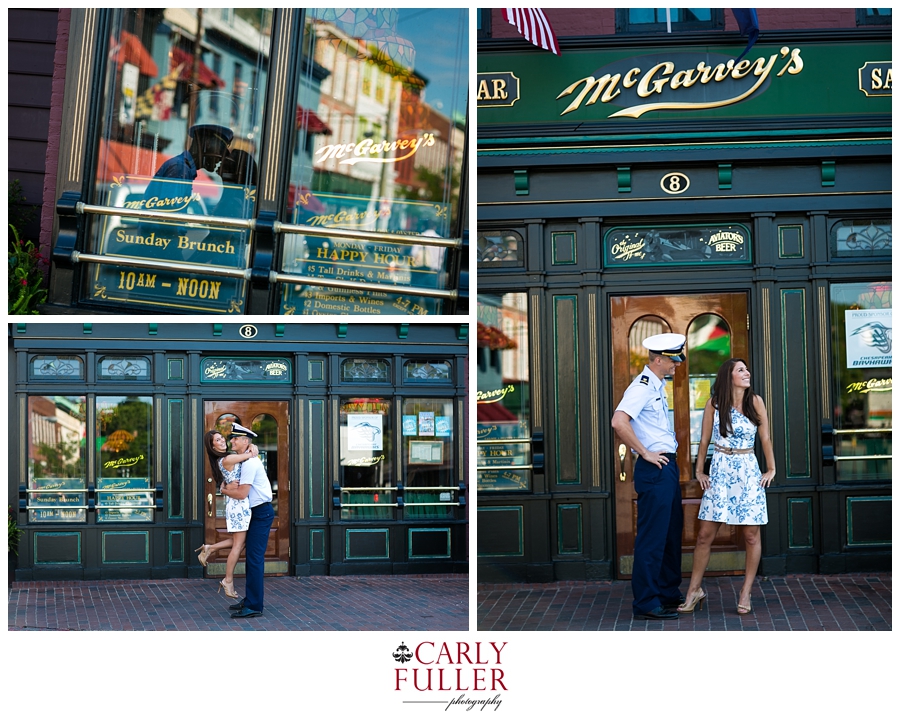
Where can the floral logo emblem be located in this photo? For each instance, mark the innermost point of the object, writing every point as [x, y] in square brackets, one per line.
[402, 654]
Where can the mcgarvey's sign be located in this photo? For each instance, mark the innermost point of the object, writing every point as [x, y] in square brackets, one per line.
[679, 81]
[600, 81]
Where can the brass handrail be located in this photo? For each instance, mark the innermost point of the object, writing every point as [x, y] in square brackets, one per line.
[862, 431]
[849, 458]
[504, 441]
[357, 286]
[367, 235]
[165, 266]
[485, 468]
[82, 208]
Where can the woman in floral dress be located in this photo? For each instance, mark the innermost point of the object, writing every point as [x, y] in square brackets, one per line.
[734, 491]
[227, 468]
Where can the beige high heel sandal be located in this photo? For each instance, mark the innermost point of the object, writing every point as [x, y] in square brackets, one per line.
[229, 589]
[695, 603]
[203, 554]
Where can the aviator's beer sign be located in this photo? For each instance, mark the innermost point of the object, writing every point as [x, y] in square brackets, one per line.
[678, 81]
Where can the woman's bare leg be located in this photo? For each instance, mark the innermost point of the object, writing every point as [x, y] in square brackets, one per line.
[753, 548]
[236, 548]
[224, 544]
[705, 538]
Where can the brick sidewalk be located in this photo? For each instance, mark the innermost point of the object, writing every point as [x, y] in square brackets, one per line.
[814, 602]
[359, 603]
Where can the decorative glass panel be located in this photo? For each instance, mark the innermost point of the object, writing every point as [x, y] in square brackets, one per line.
[365, 370]
[852, 238]
[368, 489]
[179, 133]
[57, 491]
[124, 439]
[681, 245]
[56, 367]
[232, 369]
[378, 146]
[119, 368]
[708, 347]
[503, 396]
[430, 482]
[862, 353]
[427, 371]
[500, 246]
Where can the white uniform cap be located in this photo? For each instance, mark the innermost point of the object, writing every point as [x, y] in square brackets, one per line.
[668, 344]
[241, 431]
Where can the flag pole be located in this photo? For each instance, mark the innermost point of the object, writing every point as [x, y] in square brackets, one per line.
[668, 20]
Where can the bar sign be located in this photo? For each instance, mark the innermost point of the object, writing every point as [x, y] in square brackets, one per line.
[497, 89]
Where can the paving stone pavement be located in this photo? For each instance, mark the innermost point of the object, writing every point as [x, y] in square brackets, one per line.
[808, 602]
[358, 603]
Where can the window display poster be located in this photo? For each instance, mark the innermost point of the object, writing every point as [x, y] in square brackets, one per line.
[409, 425]
[364, 432]
[869, 338]
[426, 452]
[426, 424]
[442, 426]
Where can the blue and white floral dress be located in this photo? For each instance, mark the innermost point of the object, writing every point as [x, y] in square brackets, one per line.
[237, 511]
[734, 495]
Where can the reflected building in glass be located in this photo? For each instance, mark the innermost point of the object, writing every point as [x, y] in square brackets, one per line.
[258, 161]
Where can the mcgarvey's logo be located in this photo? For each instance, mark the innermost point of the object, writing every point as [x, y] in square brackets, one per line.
[368, 150]
[682, 81]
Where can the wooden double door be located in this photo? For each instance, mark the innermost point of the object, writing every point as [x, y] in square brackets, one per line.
[717, 328]
[270, 420]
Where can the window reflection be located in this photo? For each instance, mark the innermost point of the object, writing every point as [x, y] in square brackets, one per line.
[709, 346]
[180, 134]
[862, 346]
[124, 439]
[56, 471]
[503, 397]
[428, 467]
[368, 489]
[379, 147]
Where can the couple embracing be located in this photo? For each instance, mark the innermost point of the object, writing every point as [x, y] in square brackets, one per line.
[242, 478]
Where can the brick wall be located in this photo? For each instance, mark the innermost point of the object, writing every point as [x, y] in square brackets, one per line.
[31, 42]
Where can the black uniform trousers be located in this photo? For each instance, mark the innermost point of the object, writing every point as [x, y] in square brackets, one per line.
[656, 575]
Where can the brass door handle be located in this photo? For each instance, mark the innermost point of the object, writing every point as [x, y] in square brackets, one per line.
[622, 450]
[209, 505]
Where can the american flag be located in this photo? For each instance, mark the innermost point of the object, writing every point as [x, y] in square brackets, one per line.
[533, 25]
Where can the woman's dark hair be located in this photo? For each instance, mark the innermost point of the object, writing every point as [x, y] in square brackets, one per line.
[214, 455]
[721, 396]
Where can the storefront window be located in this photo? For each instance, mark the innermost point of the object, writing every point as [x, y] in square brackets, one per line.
[862, 348]
[360, 369]
[708, 347]
[57, 491]
[179, 134]
[378, 147]
[503, 396]
[368, 489]
[431, 488]
[124, 439]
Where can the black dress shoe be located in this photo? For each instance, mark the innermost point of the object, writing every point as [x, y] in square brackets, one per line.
[671, 604]
[236, 607]
[246, 613]
[658, 613]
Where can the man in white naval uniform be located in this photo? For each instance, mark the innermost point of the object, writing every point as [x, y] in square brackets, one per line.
[642, 422]
[254, 483]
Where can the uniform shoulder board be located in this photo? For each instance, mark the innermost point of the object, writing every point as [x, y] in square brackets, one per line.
[645, 379]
